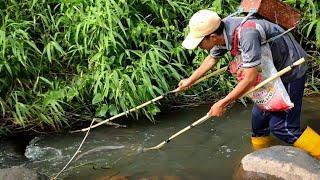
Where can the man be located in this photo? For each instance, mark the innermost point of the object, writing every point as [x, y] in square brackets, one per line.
[209, 32]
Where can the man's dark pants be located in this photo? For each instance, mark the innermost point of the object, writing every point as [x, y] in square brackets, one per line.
[283, 124]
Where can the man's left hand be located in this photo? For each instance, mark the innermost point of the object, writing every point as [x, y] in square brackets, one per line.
[218, 109]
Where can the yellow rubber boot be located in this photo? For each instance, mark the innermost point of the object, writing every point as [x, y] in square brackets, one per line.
[261, 142]
[310, 142]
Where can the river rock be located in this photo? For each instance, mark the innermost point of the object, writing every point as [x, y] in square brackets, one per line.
[10, 155]
[279, 162]
[20, 173]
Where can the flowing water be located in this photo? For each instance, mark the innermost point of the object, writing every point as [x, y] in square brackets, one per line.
[210, 150]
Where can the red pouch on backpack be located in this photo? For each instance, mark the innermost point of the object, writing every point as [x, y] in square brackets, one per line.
[271, 97]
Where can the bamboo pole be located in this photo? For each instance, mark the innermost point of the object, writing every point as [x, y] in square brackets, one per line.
[275, 76]
[207, 116]
[74, 155]
[217, 72]
[204, 118]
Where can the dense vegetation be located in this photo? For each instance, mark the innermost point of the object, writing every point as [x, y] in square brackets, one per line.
[61, 61]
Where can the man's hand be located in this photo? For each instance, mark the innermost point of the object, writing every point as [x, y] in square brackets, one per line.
[250, 75]
[218, 109]
[183, 85]
[207, 64]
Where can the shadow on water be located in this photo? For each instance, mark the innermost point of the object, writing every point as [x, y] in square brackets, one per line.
[211, 150]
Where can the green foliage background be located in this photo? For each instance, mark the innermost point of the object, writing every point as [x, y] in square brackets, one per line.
[62, 59]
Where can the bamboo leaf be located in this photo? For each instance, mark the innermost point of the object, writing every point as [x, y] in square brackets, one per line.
[113, 110]
[102, 111]
[106, 86]
[71, 94]
[310, 26]
[2, 104]
[31, 43]
[318, 33]
[3, 42]
[97, 98]
[130, 82]
[46, 81]
[58, 47]
[8, 68]
[174, 72]
[77, 33]
[48, 50]
[96, 56]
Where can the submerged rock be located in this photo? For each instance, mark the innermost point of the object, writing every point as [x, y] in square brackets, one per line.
[20, 173]
[279, 162]
[10, 155]
[35, 152]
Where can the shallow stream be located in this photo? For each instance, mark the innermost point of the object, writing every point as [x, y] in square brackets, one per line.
[210, 150]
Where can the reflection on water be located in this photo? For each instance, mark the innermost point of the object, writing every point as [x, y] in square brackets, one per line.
[211, 150]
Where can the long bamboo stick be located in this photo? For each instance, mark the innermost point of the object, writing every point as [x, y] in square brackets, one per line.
[217, 72]
[280, 73]
[207, 116]
[74, 155]
[204, 118]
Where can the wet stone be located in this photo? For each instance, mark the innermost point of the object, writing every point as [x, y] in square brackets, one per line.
[20, 173]
[10, 155]
[279, 162]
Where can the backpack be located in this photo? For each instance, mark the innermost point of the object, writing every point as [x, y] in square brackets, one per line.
[273, 96]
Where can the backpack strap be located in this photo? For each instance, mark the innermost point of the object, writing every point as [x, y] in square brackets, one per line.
[279, 35]
[236, 37]
[237, 31]
[251, 24]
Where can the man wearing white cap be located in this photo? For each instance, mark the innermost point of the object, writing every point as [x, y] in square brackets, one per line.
[209, 32]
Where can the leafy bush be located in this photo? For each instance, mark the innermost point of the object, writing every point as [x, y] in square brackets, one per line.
[63, 59]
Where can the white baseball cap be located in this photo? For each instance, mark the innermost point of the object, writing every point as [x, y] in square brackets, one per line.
[202, 23]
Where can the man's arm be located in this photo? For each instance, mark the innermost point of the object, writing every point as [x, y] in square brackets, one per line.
[250, 75]
[207, 64]
[250, 43]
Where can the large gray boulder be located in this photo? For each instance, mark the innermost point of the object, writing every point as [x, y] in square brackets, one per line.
[20, 173]
[279, 162]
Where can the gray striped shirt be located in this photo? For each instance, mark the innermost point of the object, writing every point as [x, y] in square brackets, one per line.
[285, 49]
